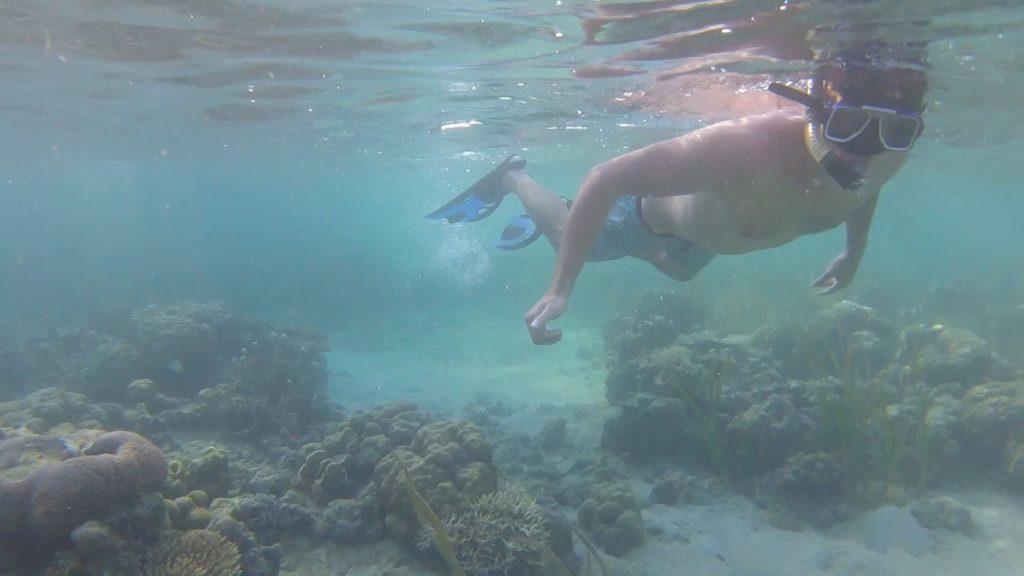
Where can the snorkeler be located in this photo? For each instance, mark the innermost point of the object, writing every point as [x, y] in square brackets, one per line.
[729, 188]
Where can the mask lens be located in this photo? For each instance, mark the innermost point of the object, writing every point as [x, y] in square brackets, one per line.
[846, 123]
[899, 132]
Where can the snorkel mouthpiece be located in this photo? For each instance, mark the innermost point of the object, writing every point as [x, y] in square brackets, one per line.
[848, 175]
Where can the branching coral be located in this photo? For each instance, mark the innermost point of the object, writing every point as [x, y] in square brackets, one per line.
[499, 534]
[194, 553]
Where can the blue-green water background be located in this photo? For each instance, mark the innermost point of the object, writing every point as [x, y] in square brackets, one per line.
[120, 187]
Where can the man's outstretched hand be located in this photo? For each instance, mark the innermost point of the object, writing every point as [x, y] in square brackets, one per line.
[545, 310]
[838, 275]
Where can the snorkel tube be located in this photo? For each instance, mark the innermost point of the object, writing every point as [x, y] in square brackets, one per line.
[849, 176]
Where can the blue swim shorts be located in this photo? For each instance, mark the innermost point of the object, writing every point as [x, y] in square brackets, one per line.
[626, 234]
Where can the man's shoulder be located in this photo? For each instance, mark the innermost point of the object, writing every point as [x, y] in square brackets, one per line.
[750, 135]
[768, 124]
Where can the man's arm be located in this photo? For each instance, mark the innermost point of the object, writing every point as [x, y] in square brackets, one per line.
[841, 271]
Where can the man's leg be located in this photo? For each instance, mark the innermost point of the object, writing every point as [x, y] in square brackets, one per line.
[546, 213]
[543, 206]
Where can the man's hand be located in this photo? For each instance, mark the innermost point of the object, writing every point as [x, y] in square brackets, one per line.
[545, 310]
[837, 276]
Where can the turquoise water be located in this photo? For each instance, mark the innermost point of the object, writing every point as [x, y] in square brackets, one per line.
[280, 156]
[126, 181]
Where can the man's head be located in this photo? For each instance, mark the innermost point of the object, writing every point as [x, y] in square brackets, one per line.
[871, 108]
[897, 88]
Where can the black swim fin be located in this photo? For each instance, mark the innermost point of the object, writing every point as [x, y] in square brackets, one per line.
[480, 199]
[519, 233]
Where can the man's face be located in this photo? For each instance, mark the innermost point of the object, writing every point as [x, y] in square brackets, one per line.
[867, 130]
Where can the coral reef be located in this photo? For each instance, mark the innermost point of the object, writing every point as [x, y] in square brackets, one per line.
[271, 519]
[847, 338]
[280, 365]
[258, 559]
[181, 346]
[44, 506]
[671, 487]
[326, 477]
[190, 364]
[844, 340]
[944, 512]
[612, 516]
[340, 465]
[189, 511]
[205, 468]
[14, 369]
[657, 320]
[649, 428]
[83, 360]
[809, 488]
[450, 465]
[351, 520]
[761, 437]
[845, 407]
[940, 354]
[193, 553]
[47, 408]
[816, 421]
[138, 538]
[498, 534]
[686, 390]
[115, 541]
[992, 416]
[553, 435]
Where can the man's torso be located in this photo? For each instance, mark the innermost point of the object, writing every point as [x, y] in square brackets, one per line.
[787, 195]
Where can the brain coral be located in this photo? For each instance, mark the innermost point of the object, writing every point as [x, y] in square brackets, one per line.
[44, 506]
[194, 553]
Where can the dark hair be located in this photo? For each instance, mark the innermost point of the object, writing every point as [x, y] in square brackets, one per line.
[898, 87]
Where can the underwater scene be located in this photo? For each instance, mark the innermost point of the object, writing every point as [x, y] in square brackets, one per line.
[511, 288]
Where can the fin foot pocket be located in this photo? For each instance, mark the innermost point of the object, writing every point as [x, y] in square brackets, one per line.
[520, 232]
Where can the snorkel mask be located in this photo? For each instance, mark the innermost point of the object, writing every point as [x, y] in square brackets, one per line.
[861, 130]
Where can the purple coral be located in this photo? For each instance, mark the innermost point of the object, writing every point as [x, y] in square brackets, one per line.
[43, 507]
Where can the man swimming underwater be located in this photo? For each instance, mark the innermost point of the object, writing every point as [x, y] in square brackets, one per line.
[729, 188]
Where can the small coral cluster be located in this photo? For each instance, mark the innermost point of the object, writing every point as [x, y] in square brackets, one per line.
[612, 516]
[992, 415]
[498, 534]
[193, 553]
[206, 470]
[450, 465]
[340, 465]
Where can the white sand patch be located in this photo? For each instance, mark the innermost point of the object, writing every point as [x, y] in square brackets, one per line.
[442, 372]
